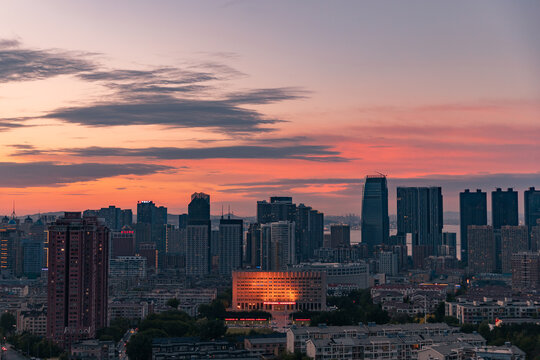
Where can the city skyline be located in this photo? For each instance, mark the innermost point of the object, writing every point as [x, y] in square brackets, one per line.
[105, 104]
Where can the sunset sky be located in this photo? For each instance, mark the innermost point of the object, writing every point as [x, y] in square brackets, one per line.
[109, 102]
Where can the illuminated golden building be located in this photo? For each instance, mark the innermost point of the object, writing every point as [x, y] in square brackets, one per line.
[279, 290]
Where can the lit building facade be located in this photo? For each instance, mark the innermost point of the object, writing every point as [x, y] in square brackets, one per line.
[279, 290]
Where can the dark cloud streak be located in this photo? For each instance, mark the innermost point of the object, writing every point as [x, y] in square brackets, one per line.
[47, 174]
[320, 153]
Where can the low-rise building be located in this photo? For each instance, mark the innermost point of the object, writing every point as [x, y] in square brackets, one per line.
[187, 348]
[93, 349]
[297, 337]
[129, 309]
[32, 321]
[267, 346]
[476, 311]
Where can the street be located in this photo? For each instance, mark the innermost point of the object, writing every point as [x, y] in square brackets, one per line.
[11, 354]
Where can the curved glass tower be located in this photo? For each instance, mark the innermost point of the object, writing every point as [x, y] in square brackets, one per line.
[375, 211]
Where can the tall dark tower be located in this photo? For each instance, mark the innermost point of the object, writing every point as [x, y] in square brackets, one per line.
[198, 236]
[504, 208]
[375, 211]
[420, 213]
[472, 211]
[150, 227]
[532, 207]
[199, 207]
[77, 281]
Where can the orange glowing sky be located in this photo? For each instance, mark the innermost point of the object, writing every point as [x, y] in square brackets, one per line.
[106, 103]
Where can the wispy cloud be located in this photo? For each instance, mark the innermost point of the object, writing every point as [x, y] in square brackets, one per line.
[298, 152]
[168, 96]
[19, 64]
[181, 113]
[38, 174]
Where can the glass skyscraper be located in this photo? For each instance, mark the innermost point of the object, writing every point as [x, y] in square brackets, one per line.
[375, 211]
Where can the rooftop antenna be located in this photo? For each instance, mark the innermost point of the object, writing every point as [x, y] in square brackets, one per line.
[222, 210]
[13, 212]
[229, 215]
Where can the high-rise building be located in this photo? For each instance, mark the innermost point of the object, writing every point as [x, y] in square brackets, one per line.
[532, 207]
[148, 212]
[280, 208]
[151, 254]
[309, 231]
[535, 236]
[199, 236]
[316, 225]
[231, 233]
[282, 245]
[198, 258]
[340, 236]
[472, 211]
[420, 212]
[115, 218]
[10, 247]
[482, 249]
[32, 252]
[513, 239]
[504, 208]
[150, 227]
[375, 222]
[199, 207]
[526, 271]
[253, 246]
[266, 247]
[182, 221]
[175, 239]
[77, 278]
[123, 242]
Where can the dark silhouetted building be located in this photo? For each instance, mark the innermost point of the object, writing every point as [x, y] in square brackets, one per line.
[198, 236]
[115, 218]
[482, 249]
[182, 221]
[340, 236]
[199, 207]
[309, 231]
[77, 278]
[504, 208]
[150, 227]
[32, 260]
[513, 239]
[375, 222]
[231, 233]
[198, 258]
[123, 242]
[535, 236]
[253, 246]
[280, 208]
[150, 253]
[420, 213]
[532, 207]
[472, 211]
